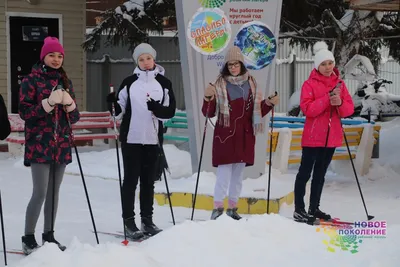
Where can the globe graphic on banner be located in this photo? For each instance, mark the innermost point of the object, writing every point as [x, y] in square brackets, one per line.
[257, 43]
[209, 31]
[211, 3]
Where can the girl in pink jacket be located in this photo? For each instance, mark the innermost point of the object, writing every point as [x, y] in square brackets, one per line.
[324, 101]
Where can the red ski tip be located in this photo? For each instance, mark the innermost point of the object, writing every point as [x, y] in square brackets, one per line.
[125, 242]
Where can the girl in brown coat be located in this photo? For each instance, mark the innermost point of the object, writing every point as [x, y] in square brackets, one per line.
[239, 106]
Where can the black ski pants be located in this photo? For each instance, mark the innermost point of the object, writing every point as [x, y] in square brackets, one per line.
[316, 160]
[140, 162]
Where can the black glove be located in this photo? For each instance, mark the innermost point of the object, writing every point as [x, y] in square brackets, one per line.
[111, 97]
[153, 105]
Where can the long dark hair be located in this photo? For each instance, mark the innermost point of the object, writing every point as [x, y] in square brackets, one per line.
[225, 73]
[225, 70]
[64, 78]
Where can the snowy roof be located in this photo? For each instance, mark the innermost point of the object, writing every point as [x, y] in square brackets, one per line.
[167, 33]
[375, 5]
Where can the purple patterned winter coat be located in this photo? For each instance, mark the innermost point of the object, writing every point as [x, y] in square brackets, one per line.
[39, 125]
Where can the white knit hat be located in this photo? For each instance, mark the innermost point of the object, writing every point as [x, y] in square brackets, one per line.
[321, 53]
[141, 49]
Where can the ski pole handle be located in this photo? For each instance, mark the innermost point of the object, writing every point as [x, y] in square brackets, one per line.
[270, 97]
[113, 114]
[337, 86]
[112, 105]
[152, 113]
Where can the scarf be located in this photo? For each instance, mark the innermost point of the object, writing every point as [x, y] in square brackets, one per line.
[223, 105]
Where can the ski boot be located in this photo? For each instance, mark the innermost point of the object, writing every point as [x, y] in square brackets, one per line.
[216, 213]
[29, 244]
[233, 213]
[301, 215]
[148, 227]
[317, 213]
[132, 231]
[49, 237]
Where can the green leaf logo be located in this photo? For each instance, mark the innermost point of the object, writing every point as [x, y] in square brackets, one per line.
[212, 3]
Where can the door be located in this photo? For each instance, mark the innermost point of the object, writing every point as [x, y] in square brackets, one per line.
[26, 41]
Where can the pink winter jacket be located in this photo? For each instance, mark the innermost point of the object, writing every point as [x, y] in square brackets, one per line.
[315, 104]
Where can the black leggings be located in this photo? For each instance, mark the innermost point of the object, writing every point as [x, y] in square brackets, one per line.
[139, 161]
[316, 159]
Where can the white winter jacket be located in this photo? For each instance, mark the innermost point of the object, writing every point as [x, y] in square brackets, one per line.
[140, 125]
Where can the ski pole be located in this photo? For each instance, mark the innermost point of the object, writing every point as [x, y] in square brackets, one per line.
[320, 185]
[125, 241]
[369, 217]
[3, 232]
[166, 186]
[55, 136]
[330, 117]
[72, 141]
[201, 156]
[270, 153]
[162, 156]
[86, 194]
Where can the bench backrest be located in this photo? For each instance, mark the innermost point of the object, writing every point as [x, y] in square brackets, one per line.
[88, 120]
[353, 135]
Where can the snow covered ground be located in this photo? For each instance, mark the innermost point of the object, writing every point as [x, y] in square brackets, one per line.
[262, 240]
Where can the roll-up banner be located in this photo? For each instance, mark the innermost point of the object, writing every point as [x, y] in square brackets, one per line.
[206, 30]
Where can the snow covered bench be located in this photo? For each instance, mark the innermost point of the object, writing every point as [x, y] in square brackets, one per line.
[89, 120]
[286, 146]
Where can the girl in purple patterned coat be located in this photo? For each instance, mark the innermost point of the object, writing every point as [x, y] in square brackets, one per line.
[47, 105]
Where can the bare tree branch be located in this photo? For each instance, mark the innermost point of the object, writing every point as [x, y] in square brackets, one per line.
[328, 15]
[303, 22]
[288, 35]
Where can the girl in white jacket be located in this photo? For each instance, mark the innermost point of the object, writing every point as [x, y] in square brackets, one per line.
[144, 99]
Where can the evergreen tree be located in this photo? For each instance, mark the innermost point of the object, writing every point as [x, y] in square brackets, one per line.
[349, 32]
[130, 23]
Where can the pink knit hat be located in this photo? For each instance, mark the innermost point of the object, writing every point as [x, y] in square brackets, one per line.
[51, 45]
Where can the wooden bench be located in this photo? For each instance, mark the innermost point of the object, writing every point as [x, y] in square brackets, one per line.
[97, 121]
[296, 122]
[94, 121]
[286, 142]
[79, 137]
[179, 121]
